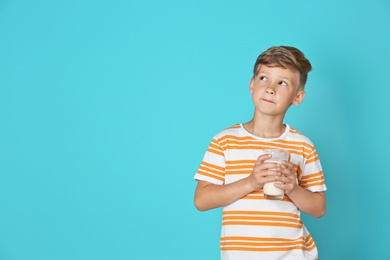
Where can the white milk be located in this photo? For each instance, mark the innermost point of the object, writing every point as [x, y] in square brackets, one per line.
[270, 191]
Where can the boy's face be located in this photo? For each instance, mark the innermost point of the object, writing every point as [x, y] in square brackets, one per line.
[274, 89]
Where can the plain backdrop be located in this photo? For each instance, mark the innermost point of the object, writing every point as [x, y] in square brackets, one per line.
[107, 108]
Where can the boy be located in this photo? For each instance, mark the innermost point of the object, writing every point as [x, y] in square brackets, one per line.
[233, 170]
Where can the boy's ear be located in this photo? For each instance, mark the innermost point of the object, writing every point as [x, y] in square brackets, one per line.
[299, 97]
[251, 85]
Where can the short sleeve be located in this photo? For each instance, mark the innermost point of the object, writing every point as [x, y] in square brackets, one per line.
[212, 168]
[312, 177]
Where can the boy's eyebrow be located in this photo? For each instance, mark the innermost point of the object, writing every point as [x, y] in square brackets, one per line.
[279, 76]
[262, 71]
[285, 78]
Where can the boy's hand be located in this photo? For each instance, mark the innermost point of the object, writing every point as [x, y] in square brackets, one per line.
[288, 177]
[263, 172]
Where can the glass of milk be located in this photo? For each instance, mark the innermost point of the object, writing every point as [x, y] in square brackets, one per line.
[270, 191]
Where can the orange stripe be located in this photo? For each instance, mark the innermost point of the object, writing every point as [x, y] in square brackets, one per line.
[213, 166]
[312, 158]
[261, 218]
[214, 145]
[312, 181]
[232, 167]
[241, 243]
[240, 162]
[235, 126]
[261, 249]
[268, 239]
[211, 170]
[315, 179]
[239, 172]
[292, 130]
[246, 142]
[253, 147]
[211, 175]
[298, 170]
[313, 185]
[216, 151]
[273, 224]
[246, 138]
[262, 243]
[310, 245]
[269, 213]
[275, 143]
[313, 175]
[259, 195]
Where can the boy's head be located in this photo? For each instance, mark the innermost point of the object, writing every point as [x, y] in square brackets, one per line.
[285, 57]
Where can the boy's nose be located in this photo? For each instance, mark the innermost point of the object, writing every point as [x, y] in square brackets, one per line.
[270, 91]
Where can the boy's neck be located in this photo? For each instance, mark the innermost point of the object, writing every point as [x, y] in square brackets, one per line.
[271, 129]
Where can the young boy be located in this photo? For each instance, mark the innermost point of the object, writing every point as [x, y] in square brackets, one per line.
[233, 170]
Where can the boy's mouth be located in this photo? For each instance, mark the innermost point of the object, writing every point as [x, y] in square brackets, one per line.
[266, 100]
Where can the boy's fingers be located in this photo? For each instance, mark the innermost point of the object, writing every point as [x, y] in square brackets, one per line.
[288, 165]
[262, 158]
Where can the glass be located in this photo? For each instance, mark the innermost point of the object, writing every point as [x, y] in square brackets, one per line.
[270, 191]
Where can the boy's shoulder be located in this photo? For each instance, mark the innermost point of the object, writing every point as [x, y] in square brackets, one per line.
[238, 132]
[296, 135]
[292, 130]
[231, 130]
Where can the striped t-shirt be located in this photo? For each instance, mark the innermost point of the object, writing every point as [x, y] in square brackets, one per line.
[254, 227]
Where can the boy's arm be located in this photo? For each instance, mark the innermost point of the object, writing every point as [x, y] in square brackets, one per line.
[209, 196]
[312, 203]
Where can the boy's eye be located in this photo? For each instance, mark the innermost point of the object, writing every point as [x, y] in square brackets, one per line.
[283, 83]
[263, 78]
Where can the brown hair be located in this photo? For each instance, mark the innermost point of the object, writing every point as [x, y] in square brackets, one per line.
[285, 57]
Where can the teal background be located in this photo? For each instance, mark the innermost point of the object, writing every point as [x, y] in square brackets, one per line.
[107, 107]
